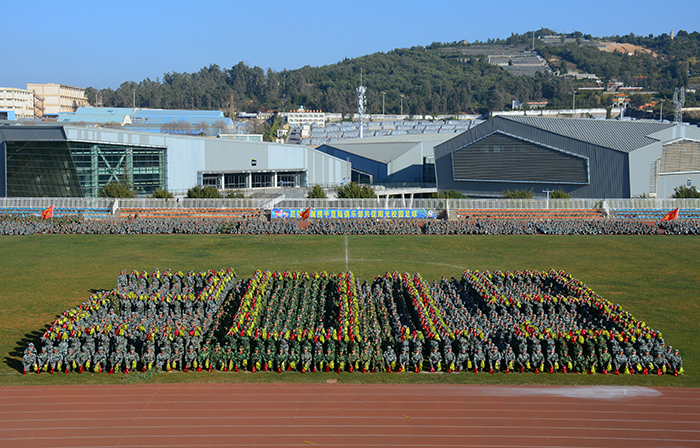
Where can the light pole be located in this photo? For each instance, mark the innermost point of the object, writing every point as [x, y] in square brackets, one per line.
[548, 192]
[573, 103]
[383, 96]
[401, 106]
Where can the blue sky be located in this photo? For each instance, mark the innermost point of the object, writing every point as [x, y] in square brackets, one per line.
[102, 43]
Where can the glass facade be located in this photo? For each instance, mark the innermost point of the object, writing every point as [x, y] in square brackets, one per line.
[78, 169]
[262, 180]
[40, 169]
[98, 164]
[288, 179]
[238, 180]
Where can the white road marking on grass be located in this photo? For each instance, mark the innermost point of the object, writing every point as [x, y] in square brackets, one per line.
[346, 253]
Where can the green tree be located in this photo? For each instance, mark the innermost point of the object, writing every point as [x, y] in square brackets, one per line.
[235, 194]
[354, 191]
[685, 192]
[203, 193]
[316, 192]
[121, 189]
[519, 194]
[559, 194]
[161, 193]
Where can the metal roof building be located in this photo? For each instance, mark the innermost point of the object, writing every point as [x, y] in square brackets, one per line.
[389, 159]
[72, 161]
[584, 157]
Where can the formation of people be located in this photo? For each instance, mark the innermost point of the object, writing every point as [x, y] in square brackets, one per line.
[10, 225]
[147, 322]
[521, 321]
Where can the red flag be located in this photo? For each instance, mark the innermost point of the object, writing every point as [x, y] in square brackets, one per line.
[671, 215]
[48, 213]
[305, 214]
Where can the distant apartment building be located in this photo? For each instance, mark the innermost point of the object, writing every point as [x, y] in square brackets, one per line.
[300, 117]
[19, 101]
[54, 99]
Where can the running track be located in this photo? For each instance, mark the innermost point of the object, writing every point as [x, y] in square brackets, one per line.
[352, 415]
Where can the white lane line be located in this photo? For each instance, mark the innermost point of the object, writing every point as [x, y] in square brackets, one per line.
[336, 436]
[300, 425]
[346, 253]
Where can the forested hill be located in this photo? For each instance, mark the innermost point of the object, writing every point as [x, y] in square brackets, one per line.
[430, 81]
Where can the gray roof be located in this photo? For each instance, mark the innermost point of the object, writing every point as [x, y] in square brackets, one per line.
[621, 135]
[34, 133]
[380, 152]
[388, 148]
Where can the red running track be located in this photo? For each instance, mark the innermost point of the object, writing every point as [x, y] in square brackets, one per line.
[351, 415]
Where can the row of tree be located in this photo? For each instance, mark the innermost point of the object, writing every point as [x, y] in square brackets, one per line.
[413, 81]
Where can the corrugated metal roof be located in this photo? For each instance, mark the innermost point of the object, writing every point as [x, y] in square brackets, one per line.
[34, 133]
[621, 135]
[105, 110]
[387, 149]
[380, 152]
[178, 112]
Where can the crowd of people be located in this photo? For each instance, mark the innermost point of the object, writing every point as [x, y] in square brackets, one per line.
[148, 322]
[527, 321]
[28, 226]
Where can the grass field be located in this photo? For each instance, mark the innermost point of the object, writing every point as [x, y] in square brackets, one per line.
[656, 278]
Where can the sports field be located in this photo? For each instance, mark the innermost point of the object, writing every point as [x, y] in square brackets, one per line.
[655, 278]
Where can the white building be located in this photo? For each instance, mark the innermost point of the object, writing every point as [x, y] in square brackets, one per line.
[20, 101]
[300, 117]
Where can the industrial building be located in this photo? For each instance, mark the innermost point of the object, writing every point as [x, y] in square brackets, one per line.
[72, 161]
[390, 159]
[587, 158]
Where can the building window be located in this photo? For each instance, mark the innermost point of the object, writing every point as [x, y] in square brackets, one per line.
[211, 181]
[287, 180]
[262, 180]
[233, 181]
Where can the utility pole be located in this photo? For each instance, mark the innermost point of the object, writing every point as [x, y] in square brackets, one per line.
[383, 96]
[134, 98]
[573, 104]
[402, 106]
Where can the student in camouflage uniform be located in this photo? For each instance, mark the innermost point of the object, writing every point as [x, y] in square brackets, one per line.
[131, 359]
[605, 361]
[479, 360]
[404, 359]
[417, 360]
[621, 362]
[538, 360]
[450, 359]
[329, 358]
[390, 359]
[494, 360]
[29, 362]
[552, 362]
[635, 362]
[676, 363]
[509, 358]
[306, 359]
[294, 358]
[524, 360]
[647, 362]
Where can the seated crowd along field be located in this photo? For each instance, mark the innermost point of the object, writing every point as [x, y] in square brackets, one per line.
[527, 321]
[29, 225]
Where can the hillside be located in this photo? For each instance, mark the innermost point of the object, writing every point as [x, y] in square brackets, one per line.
[433, 80]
